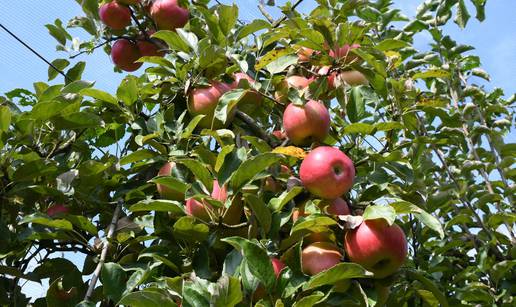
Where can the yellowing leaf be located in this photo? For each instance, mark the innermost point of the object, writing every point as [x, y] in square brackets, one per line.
[292, 151]
[394, 58]
[271, 56]
[433, 73]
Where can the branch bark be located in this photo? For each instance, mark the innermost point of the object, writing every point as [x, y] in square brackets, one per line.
[257, 130]
[105, 247]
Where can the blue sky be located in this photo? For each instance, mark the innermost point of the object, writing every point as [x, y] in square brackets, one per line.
[494, 39]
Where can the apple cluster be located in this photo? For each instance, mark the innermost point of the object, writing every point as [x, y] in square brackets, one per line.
[117, 16]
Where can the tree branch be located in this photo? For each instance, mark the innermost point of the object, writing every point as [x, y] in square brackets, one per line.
[261, 7]
[257, 130]
[105, 247]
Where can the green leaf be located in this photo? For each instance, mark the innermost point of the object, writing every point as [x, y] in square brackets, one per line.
[38, 218]
[277, 203]
[83, 223]
[113, 278]
[380, 212]
[257, 259]
[187, 132]
[77, 120]
[310, 300]
[5, 118]
[356, 105]
[391, 44]
[341, 271]
[60, 64]
[405, 207]
[313, 222]
[160, 205]
[433, 73]
[173, 40]
[229, 292]
[228, 16]
[127, 92]
[148, 297]
[429, 285]
[199, 170]
[359, 128]
[260, 210]
[281, 64]
[189, 38]
[76, 86]
[462, 14]
[227, 104]
[75, 73]
[99, 95]
[251, 167]
[171, 183]
[254, 26]
[188, 229]
[139, 155]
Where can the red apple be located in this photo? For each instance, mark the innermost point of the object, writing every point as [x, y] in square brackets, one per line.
[327, 172]
[195, 208]
[376, 246]
[57, 209]
[198, 209]
[304, 54]
[319, 256]
[115, 16]
[166, 192]
[168, 14]
[343, 52]
[298, 82]
[353, 77]
[204, 101]
[279, 134]
[147, 48]
[277, 265]
[308, 123]
[124, 53]
[252, 99]
[337, 206]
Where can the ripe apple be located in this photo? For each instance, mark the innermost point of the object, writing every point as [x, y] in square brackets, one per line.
[279, 134]
[304, 54]
[195, 208]
[164, 191]
[319, 256]
[147, 48]
[204, 101]
[327, 172]
[124, 53]
[308, 123]
[115, 16]
[252, 99]
[376, 246]
[343, 52]
[168, 14]
[353, 78]
[57, 209]
[277, 265]
[338, 206]
[298, 82]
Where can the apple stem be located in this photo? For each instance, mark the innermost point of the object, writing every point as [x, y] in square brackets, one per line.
[105, 247]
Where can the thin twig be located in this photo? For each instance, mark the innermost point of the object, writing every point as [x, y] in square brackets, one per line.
[282, 19]
[105, 247]
[261, 7]
[249, 121]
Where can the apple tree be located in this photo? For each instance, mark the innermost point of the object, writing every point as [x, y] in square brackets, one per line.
[306, 158]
